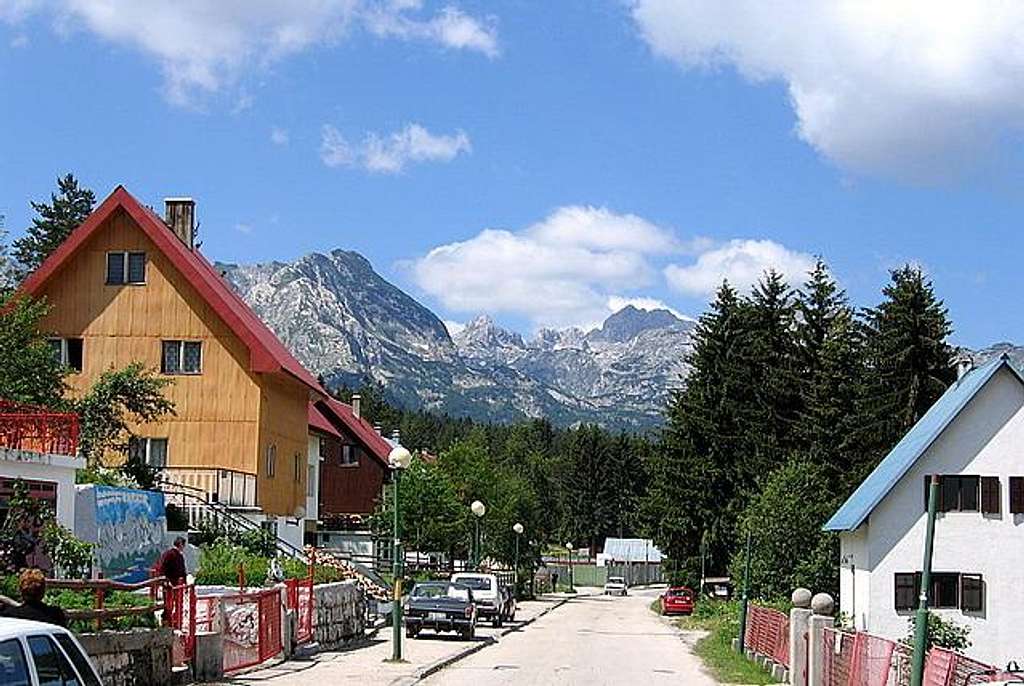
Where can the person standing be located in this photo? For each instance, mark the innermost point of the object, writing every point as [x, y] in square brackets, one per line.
[32, 584]
[172, 563]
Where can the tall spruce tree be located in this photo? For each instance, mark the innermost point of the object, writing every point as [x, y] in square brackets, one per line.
[910, 363]
[829, 345]
[7, 278]
[67, 210]
[695, 489]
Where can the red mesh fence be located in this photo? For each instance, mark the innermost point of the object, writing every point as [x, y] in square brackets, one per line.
[253, 628]
[301, 601]
[768, 633]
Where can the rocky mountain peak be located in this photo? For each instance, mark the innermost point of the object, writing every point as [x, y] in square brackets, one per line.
[630, 322]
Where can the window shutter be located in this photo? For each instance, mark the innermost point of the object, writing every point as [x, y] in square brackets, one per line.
[1017, 494]
[927, 489]
[949, 492]
[972, 593]
[990, 495]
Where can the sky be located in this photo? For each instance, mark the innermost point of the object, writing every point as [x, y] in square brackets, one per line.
[547, 162]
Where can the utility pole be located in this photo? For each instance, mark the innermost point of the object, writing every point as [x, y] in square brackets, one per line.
[921, 618]
[741, 644]
[703, 561]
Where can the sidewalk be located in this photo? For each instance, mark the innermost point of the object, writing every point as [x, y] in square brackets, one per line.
[366, 664]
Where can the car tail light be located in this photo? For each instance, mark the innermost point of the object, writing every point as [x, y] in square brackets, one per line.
[469, 611]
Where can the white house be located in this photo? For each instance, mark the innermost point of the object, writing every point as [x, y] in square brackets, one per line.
[973, 437]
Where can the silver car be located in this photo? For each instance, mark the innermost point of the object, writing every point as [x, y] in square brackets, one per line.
[615, 585]
[33, 653]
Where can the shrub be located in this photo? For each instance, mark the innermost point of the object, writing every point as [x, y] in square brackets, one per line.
[942, 633]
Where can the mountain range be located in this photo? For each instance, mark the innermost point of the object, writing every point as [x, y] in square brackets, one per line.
[345, 322]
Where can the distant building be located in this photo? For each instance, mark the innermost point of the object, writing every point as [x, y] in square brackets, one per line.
[637, 560]
[972, 438]
[128, 286]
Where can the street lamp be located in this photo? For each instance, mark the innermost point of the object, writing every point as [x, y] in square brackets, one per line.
[479, 510]
[568, 547]
[399, 459]
[518, 529]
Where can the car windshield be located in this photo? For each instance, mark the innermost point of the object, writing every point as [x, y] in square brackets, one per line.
[679, 592]
[477, 583]
[430, 590]
[616, 580]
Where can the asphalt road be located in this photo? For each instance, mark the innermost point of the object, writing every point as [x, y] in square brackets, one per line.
[590, 640]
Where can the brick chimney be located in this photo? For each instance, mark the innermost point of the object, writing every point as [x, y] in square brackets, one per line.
[180, 217]
[357, 402]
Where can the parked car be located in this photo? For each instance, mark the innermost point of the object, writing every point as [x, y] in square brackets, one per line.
[37, 654]
[677, 600]
[440, 606]
[509, 605]
[616, 585]
[486, 595]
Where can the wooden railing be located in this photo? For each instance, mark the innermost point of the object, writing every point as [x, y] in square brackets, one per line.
[36, 429]
[101, 588]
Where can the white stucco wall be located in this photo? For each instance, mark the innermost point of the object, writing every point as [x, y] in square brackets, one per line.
[59, 469]
[855, 578]
[313, 460]
[986, 439]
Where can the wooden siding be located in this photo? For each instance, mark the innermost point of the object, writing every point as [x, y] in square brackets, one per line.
[349, 489]
[284, 423]
[224, 414]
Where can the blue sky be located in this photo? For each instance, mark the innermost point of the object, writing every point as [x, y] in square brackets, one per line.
[543, 162]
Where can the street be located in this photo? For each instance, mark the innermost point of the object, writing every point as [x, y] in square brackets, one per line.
[590, 640]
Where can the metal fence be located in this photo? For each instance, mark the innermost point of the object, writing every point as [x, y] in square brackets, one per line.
[862, 659]
[301, 601]
[36, 429]
[768, 633]
[253, 631]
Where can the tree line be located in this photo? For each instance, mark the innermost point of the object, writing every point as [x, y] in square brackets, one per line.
[793, 398]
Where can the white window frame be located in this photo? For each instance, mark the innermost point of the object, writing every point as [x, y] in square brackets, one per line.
[147, 441]
[181, 357]
[63, 355]
[124, 266]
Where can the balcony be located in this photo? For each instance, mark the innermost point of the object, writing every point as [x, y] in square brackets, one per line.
[224, 486]
[36, 429]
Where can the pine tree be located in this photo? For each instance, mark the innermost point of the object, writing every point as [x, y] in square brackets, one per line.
[7, 279]
[66, 211]
[910, 363]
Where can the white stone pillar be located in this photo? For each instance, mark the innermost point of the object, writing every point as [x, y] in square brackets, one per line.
[799, 623]
[822, 607]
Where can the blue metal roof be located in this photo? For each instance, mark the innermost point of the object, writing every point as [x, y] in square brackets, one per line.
[916, 441]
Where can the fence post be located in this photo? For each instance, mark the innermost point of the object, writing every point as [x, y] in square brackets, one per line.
[799, 623]
[99, 596]
[822, 607]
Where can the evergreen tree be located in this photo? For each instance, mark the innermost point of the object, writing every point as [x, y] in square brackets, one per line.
[7, 276]
[66, 211]
[695, 488]
[29, 372]
[910, 362]
[830, 349]
[590, 487]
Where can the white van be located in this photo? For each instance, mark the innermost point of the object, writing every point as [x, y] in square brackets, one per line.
[37, 654]
[486, 595]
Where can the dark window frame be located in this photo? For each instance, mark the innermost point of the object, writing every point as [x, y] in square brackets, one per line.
[1017, 495]
[906, 590]
[972, 593]
[129, 262]
[142, 447]
[69, 352]
[957, 493]
[178, 349]
[349, 455]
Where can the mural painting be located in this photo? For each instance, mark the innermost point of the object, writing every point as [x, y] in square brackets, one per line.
[127, 526]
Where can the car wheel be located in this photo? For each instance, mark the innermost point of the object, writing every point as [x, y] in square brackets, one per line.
[411, 633]
[496, 622]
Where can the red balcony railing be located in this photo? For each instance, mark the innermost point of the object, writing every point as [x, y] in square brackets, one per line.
[37, 429]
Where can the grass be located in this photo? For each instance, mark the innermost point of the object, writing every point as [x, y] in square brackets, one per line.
[722, 621]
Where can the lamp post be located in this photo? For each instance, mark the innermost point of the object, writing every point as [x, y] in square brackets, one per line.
[518, 529]
[572, 588]
[479, 510]
[399, 458]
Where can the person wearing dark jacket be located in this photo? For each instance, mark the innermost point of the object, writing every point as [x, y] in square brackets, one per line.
[32, 584]
[172, 563]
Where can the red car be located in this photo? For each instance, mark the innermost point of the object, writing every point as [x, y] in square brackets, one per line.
[677, 600]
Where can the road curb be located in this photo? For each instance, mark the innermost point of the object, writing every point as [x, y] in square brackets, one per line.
[437, 666]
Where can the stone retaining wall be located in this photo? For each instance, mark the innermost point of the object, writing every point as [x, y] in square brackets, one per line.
[340, 614]
[141, 657]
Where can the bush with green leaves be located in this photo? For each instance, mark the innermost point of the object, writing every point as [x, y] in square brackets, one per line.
[219, 564]
[942, 633]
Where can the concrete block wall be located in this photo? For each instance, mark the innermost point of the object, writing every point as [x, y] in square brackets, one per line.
[340, 614]
[141, 657]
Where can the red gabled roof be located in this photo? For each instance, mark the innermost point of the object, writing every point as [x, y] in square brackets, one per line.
[378, 446]
[266, 353]
[320, 423]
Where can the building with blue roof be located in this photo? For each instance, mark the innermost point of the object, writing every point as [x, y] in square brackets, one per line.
[973, 438]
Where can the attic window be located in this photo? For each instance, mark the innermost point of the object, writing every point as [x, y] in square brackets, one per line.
[126, 268]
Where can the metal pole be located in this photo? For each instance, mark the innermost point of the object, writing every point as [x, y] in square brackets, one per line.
[741, 644]
[703, 562]
[516, 575]
[476, 543]
[921, 618]
[396, 602]
[572, 587]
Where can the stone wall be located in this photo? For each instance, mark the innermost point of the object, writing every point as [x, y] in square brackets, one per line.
[141, 657]
[340, 614]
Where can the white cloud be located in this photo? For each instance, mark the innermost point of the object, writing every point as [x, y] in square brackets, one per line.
[279, 136]
[617, 303]
[919, 90]
[204, 46]
[243, 227]
[740, 261]
[390, 154]
[559, 272]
